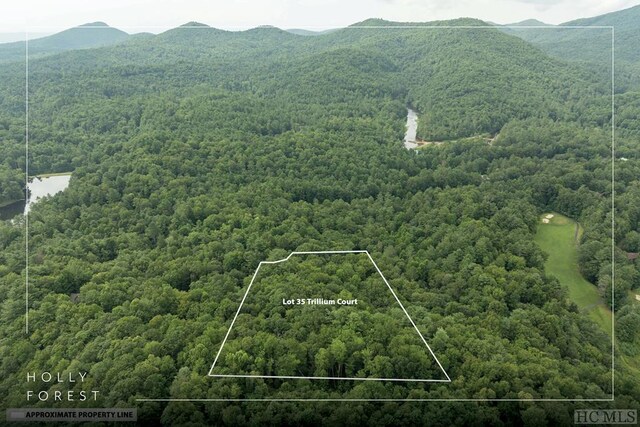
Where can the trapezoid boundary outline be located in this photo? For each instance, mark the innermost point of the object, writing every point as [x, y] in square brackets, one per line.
[337, 252]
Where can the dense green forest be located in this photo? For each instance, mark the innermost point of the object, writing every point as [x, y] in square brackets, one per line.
[198, 153]
[324, 315]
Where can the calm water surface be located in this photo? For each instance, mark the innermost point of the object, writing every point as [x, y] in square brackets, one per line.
[47, 186]
[39, 187]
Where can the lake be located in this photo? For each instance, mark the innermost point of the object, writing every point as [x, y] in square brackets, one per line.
[39, 187]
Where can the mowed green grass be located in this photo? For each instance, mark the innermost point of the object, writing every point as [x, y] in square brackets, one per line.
[558, 240]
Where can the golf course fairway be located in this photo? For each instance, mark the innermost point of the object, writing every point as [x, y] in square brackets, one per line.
[557, 235]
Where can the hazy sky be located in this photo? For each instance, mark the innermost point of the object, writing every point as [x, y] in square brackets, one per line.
[134, 15]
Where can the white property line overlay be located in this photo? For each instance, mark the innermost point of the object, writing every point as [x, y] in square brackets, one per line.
[255, 274]
[498, 27]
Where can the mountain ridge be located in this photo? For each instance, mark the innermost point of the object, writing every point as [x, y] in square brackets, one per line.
[590, 45]
[85, 36]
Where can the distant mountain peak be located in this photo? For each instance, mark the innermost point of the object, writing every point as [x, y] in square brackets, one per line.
[83, 36]
[530, 23]
[372, 22]
[267, 28]
[195, 24]
[94, 24]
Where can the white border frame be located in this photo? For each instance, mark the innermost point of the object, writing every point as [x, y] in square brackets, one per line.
[496, 27]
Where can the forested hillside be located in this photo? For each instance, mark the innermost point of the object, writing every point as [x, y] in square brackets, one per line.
[590, 44]
[593, 45]
[85, 36]
[198, 153]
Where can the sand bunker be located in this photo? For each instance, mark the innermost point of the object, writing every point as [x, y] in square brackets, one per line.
[545, 220]
[549, 216]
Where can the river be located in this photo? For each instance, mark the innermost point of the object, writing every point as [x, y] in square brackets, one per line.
[412, 128]
[39, 187]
